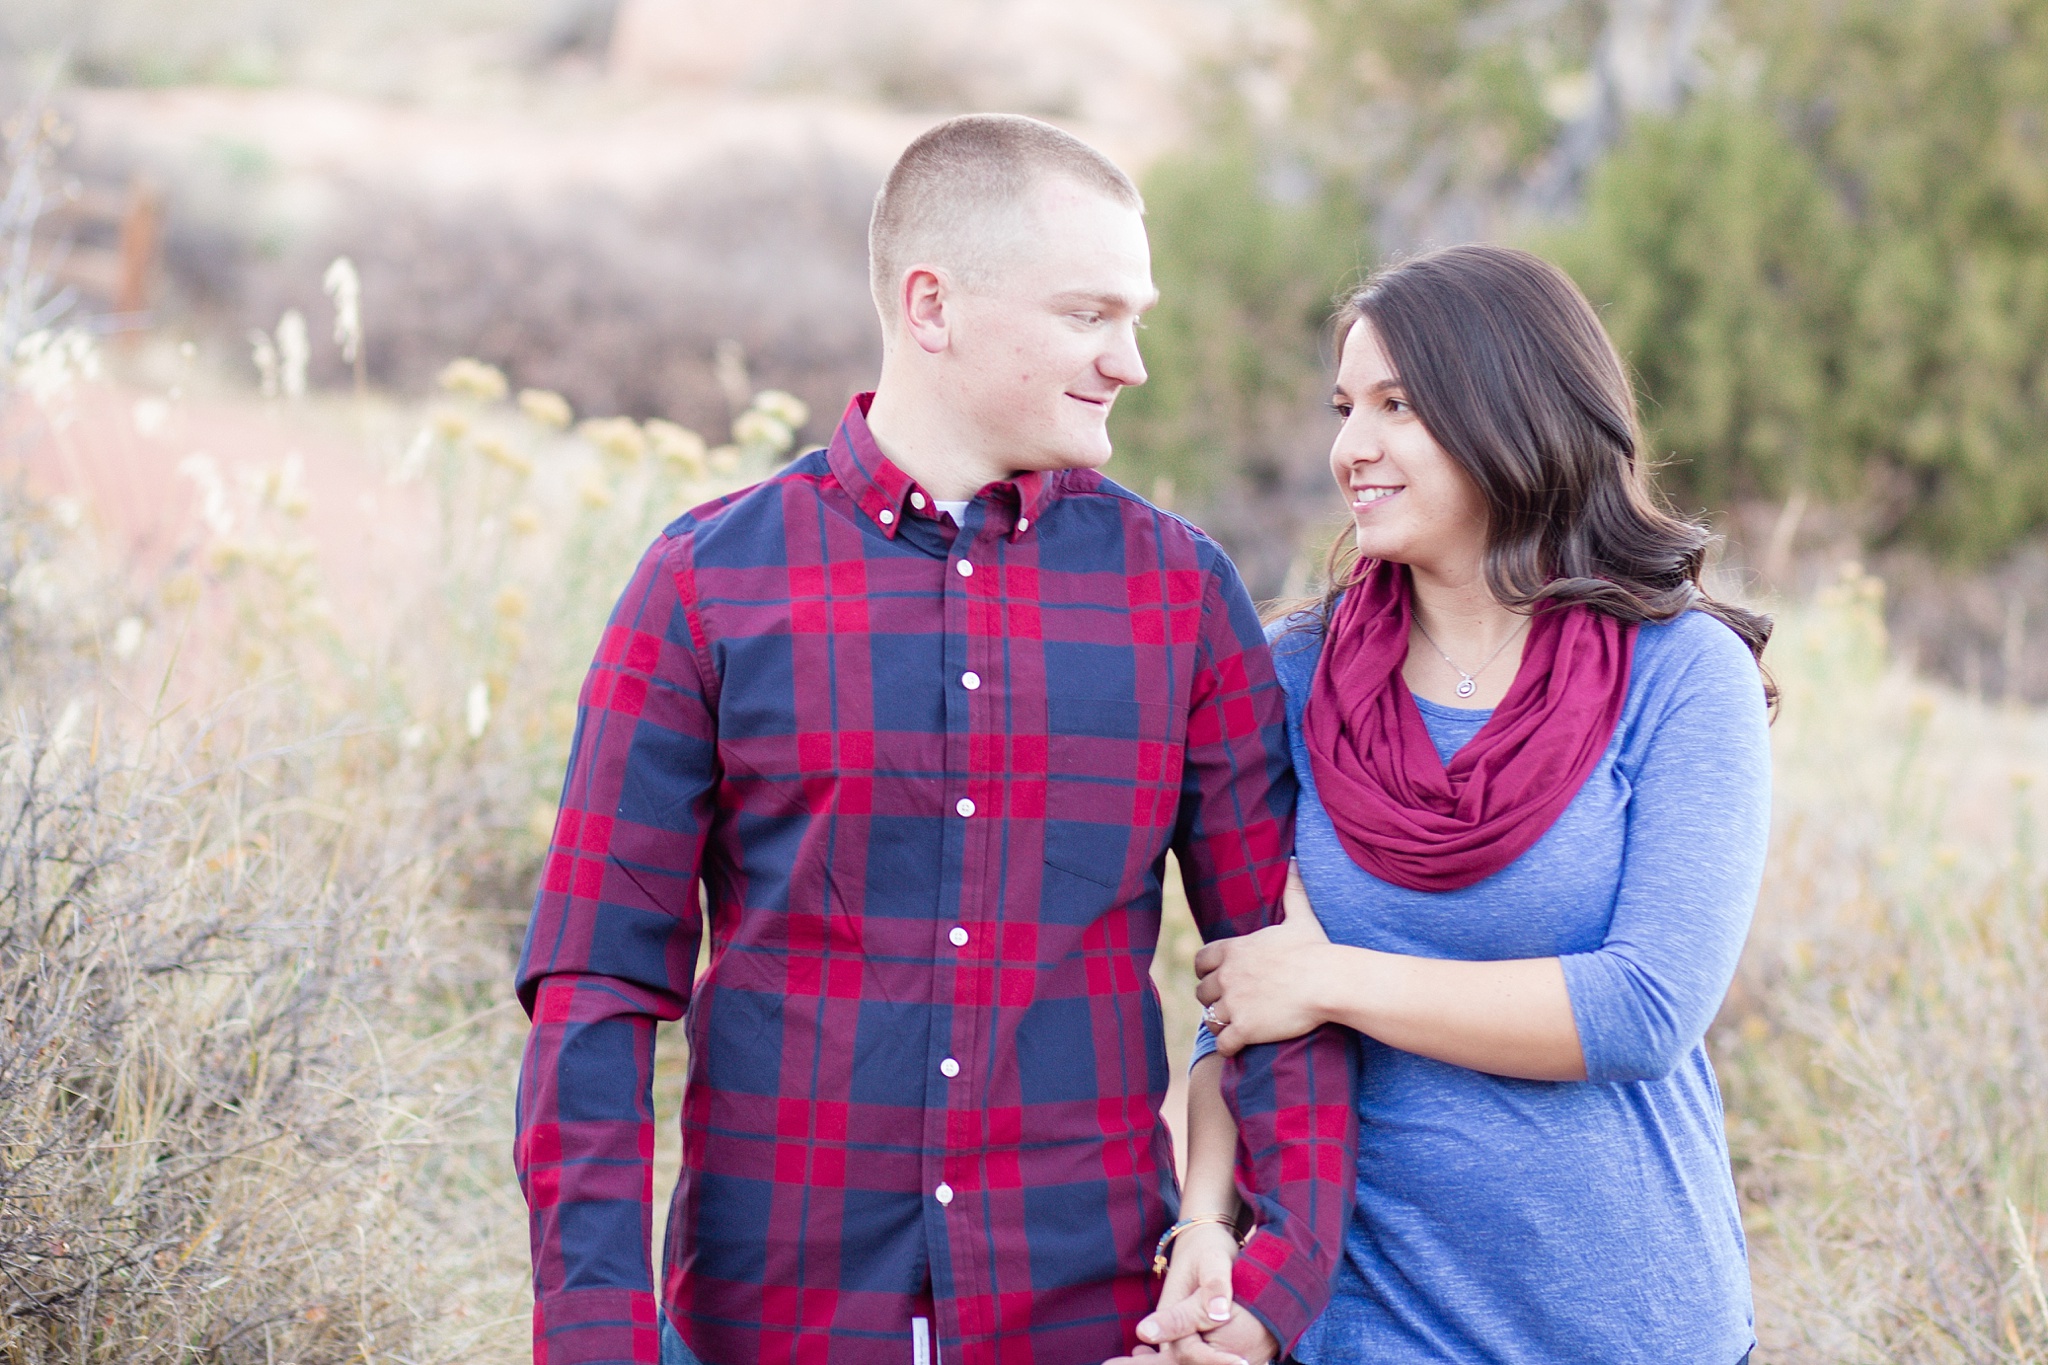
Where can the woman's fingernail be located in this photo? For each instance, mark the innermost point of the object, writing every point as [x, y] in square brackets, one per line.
[1219, 1310]
[1148, 1331]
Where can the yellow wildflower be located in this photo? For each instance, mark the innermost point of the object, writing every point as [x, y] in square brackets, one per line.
[474, 379]
[182, 590]
[511, 602]
[678, 445]
[497, 452]
[595, 494]
[546, 407]
[758, 430]
[723, 459]
[450, 426]
[524, 520]
[784, 407]
[618, 437]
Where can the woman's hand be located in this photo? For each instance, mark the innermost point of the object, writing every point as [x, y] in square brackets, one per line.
[1195, 1298]
[1262, 988]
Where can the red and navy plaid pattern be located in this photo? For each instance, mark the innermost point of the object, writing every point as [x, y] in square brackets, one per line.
[927, 777]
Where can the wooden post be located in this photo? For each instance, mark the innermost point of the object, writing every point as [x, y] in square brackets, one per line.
[138, 249]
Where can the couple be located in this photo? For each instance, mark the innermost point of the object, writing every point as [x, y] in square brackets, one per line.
[909, 729]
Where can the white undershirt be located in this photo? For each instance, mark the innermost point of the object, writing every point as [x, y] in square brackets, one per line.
[957, 510]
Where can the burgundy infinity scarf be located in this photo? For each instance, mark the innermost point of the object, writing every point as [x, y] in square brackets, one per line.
[1402, 814]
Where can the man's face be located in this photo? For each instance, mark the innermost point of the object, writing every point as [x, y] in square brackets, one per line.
[1044, 343]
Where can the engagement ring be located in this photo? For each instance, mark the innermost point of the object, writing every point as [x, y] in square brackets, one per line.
[1209, 1018]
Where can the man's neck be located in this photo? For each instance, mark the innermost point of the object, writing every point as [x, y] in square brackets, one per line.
[928, 442]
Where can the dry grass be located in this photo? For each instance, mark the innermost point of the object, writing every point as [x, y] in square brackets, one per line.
[1885, 1053]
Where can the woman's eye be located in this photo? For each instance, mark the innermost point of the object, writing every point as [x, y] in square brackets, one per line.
[1397, 405]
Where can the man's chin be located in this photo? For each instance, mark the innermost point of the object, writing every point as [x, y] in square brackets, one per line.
[1078, 455]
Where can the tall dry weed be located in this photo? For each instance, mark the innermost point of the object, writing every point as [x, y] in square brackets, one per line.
[1885, 1054]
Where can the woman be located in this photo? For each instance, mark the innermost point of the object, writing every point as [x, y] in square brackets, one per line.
[1534, 803]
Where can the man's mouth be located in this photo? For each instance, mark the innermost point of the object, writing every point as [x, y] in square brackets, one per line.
[1084, 398]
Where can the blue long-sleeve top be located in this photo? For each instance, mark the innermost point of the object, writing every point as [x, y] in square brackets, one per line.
[1517, 1222]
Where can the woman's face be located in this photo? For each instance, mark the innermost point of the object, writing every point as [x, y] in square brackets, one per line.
[1409, 500]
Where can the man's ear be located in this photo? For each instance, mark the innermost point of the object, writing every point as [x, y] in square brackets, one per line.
[926, 312]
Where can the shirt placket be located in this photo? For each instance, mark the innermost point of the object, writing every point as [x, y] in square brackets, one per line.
[952, 1129]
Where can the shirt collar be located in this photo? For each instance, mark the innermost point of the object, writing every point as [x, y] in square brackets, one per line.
[884, 493]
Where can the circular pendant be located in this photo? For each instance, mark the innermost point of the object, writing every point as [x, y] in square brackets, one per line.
[1466, 687]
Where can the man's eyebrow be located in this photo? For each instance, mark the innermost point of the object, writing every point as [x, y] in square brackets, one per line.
[1110, 299]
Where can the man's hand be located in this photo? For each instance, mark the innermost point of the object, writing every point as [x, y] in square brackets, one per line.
[1259, 988]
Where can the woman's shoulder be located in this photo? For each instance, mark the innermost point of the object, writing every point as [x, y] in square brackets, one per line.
[1296, 640]
[1692, 659]
[1692, 639]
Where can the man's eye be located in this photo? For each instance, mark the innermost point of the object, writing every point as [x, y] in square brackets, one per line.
[1343, 410]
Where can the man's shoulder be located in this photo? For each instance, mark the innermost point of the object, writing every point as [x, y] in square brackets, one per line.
[751, 511]
[1085, 486]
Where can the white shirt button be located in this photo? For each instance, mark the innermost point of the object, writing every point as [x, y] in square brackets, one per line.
[944, 1193]
[885, 516]
[949, 1068]
[964, 806]
[970, 680]
[964, 569]
[917, 501]
[1023, 523]
[958, 937]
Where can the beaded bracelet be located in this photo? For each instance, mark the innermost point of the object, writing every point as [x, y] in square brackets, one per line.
[1159, 1257]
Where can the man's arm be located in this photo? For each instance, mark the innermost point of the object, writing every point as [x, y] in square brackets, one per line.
[1293, 1101]
[609, 952]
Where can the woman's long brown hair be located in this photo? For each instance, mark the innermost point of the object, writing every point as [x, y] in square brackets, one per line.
[1507, 365]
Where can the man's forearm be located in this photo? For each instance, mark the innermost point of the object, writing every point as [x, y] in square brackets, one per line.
[1297, 1135]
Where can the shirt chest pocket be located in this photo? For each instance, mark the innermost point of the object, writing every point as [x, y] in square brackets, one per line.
[1113, 769]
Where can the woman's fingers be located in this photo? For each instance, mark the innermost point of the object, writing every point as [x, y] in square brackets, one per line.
[1210, 957]
[1297, 913]
[1209, 990]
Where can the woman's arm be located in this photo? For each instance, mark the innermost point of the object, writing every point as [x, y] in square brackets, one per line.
[1511, 1018]
[1196, 1297]
[1631, 1009]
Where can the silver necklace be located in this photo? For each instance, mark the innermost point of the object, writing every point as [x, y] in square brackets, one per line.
[1468, 683]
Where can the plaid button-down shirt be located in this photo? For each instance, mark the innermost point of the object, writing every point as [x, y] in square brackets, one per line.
[928, 778]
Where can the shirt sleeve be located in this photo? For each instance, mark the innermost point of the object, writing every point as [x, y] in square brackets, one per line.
[610, 951]
[1698, 826]
[1293, 1101]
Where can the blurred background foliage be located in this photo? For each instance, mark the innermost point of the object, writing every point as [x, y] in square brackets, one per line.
[1819, 232]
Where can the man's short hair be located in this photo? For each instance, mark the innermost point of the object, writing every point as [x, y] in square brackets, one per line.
[949, 195]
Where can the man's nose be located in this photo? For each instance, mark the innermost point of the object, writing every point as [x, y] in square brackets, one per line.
[1123, 363]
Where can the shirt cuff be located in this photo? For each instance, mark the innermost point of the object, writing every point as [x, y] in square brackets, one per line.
[596, 1327]
[1279, 1286]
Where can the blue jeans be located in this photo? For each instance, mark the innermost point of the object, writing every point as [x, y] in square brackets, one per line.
[673, 1350]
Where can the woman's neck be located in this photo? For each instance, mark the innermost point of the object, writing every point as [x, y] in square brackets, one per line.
[1461, 631]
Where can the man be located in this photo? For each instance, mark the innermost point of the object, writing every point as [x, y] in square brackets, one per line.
[924, 713]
